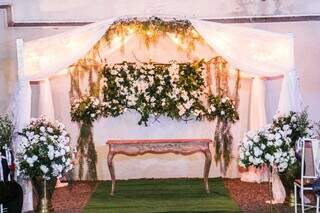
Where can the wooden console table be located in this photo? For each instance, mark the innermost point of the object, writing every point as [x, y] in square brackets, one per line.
[159, 146]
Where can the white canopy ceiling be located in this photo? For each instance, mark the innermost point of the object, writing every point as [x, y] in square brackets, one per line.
[256, 52]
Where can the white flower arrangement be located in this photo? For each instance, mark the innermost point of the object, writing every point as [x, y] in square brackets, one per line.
[175, 90]
[296, 124]
[222, 107]
[269, 146]
[86, 109]
[44, 150]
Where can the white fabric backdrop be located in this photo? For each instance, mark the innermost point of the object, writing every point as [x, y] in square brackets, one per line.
[254, 51]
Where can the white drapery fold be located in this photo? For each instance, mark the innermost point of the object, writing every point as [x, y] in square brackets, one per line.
[290, 96]
[45, 99]
[46, 56]
[257, 120]
[256, 52]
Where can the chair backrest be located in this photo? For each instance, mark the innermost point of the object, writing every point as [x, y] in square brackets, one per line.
[310, 158]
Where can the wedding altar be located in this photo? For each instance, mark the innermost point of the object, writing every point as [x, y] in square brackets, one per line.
[77, 56]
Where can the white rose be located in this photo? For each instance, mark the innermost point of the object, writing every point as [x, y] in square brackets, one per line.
[50, 130]
[212, 108]
[30, 161]
[241, 155]
[42, 129]
[44, 169]
[286, 127]
[256, 138]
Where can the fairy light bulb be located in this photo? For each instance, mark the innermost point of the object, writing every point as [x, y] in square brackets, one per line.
[116, 39]
[195, 33]
[149, 33]
[130, 30]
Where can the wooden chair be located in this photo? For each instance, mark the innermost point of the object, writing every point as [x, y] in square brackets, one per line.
[309, 173]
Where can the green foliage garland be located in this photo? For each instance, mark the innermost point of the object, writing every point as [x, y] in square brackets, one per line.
[151, 29]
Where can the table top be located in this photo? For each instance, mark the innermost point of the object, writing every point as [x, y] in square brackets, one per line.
[145, 141]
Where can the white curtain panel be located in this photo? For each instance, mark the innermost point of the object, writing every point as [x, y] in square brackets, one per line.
[290, 96]
[257, 119]
[256, 52]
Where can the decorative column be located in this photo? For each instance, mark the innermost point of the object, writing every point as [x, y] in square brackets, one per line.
[21, 111]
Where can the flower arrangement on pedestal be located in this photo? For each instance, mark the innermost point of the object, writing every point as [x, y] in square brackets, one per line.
[43, 155]
[270, 146]
[300, 127]
[298, 124]
[277, 145]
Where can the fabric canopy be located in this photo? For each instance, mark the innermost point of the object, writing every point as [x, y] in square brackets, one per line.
[256, 52]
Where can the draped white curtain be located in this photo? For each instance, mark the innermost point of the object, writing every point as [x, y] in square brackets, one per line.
[255, 52]
[257, 119]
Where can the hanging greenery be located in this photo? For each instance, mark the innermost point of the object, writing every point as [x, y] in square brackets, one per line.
[149, 30]
[84, 103]
[223, 137]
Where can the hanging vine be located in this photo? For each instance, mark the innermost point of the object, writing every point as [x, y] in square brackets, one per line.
[222, 136]
[85, 69]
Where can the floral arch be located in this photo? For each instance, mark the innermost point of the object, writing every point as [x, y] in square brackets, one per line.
[256, 53]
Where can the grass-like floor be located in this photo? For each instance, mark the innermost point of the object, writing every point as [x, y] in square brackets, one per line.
[169, 195]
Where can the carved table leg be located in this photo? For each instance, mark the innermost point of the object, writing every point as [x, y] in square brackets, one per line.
[111, 170]
[207, 165]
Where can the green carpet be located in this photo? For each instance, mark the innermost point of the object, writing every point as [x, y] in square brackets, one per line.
[169, 195]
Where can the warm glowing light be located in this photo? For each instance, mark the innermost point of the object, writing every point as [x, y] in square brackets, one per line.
[176, 39]
[130, 30]
[149, 33]
[195, 34]
[116, 39]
